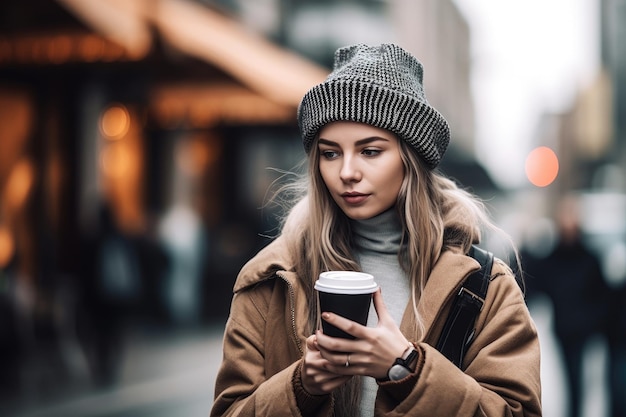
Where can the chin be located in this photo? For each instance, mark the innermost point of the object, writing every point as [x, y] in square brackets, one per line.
[360, 214]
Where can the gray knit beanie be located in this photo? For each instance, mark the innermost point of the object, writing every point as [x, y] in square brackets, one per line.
[381, 86]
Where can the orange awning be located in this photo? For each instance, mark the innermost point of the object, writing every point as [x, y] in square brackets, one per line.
[196, 30]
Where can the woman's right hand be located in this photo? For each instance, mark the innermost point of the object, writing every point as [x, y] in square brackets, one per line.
[316, 379]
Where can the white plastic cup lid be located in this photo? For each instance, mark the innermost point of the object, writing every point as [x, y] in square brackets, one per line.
[346, 282]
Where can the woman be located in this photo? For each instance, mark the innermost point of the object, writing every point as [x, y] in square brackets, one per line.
[375, 203]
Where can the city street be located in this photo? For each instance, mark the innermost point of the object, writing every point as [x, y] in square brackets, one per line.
[151, 148]
[164, 374]
[172, 374]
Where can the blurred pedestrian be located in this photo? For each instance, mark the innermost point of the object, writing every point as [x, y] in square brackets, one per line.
[10, 342]
[616, 335]
[375, 203]
[571, 276]
[184, 240]
[111, 292]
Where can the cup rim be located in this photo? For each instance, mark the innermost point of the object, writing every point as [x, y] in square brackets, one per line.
[352, 282]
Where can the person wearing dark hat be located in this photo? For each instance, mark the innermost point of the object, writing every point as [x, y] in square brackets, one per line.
[373, 201]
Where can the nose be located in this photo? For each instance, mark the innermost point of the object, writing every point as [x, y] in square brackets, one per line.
[350, 171]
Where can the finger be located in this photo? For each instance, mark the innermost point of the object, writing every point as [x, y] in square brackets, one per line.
[317, 372]
[380, 307]
[351, 327]
[313, 357]
[316, 376]
[323, 383]
[335, 358]
[328, 344]
[311, 343]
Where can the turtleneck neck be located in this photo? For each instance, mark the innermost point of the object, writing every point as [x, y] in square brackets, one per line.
[377, 243]
[381, 233]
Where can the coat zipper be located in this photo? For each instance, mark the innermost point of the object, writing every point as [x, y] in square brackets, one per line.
[292, 302]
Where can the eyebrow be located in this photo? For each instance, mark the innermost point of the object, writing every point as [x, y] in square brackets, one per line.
[359, 142]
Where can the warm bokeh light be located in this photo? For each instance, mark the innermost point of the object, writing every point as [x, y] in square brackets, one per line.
[115, 122]
[116, 160]
[92, 48]
[196, 154]
[121, 166]
[19, 183]
[59, 49]
[542, 166]
[64, 47]
[7, 246]
[17, 121]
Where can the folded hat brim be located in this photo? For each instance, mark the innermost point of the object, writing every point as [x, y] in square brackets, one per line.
[412, 119]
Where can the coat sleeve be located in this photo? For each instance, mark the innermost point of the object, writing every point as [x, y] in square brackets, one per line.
[242, 387]
[501, 375]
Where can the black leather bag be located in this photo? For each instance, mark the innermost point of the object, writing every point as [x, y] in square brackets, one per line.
[458, 332]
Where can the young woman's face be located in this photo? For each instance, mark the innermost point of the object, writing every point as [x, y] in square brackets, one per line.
[361, 167]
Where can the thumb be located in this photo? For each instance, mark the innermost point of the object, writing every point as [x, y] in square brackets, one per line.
[311, 343]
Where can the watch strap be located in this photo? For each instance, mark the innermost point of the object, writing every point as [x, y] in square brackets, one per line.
[406, 361]
[401, 368]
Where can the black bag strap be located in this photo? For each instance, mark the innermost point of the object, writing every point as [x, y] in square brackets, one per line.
[458, 331]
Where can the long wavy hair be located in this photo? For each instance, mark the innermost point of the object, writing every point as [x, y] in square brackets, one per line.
[435, 214]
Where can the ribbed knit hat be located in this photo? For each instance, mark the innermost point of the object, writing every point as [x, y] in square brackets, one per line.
[381, 86]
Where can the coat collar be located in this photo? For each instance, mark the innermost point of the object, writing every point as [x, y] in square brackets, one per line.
[271, 259]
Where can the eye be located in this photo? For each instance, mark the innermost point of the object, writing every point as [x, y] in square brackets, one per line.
[371, 152]
[328, 153]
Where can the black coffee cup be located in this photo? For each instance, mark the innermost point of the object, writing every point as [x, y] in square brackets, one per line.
[347, 294]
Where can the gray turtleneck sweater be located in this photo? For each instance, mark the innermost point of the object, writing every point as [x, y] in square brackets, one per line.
[377, 242]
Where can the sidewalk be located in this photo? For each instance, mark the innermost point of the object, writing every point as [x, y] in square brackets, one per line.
[164, 374]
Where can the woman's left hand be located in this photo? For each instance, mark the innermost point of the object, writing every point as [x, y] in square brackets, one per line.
[374, 350]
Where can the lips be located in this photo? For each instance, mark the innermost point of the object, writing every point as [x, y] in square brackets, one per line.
[354, 198]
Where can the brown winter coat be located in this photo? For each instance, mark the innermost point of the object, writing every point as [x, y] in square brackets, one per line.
[265, 339]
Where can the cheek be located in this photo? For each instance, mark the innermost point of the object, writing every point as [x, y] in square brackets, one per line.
[325, 174]
[393, 188]
[393, 184]
[331, 181]
[395, 178]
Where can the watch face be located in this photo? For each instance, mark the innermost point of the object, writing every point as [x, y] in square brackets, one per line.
[398, 372]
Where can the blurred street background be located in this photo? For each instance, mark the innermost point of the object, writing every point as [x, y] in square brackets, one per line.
[140, 141]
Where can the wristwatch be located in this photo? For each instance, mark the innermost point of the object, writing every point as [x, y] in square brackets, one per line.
[401, 368]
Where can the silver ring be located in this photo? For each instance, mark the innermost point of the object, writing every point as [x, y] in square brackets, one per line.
[348, 360]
